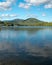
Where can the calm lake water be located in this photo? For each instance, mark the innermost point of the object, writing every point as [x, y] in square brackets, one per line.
[26, 46]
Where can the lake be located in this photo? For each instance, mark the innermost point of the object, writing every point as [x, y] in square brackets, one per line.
[26, 45]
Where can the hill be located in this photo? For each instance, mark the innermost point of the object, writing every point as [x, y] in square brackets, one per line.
[27, 22]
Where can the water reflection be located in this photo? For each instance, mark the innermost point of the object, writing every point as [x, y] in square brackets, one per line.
[26, 46]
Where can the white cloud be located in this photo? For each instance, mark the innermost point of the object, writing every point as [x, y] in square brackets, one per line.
[32, 16]
[8, 15]
[29, 3]
[13, 15]
[6, 5]
[23, 5]
[36, 2]
[43, 14]
[48, 6]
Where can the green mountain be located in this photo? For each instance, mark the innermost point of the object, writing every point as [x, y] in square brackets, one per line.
[32, 20]
[27, 22]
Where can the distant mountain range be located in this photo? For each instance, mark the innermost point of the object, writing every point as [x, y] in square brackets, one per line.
[27, 22]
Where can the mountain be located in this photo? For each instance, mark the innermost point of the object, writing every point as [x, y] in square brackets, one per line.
[27, 22]
[17, 20]
[32, 20]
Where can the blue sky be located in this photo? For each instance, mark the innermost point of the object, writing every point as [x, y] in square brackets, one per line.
[23, 9]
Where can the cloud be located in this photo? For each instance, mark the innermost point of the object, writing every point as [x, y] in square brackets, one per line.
[29, 3]
[32, 16]
[8, 15]
[36, 2]
[23, 5]
[48, 6]
[6, 5]
[43, 14]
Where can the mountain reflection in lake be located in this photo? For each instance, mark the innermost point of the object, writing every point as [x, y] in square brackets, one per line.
[26, 46]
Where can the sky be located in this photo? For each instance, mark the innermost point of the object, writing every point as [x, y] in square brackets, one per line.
[23, 9]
